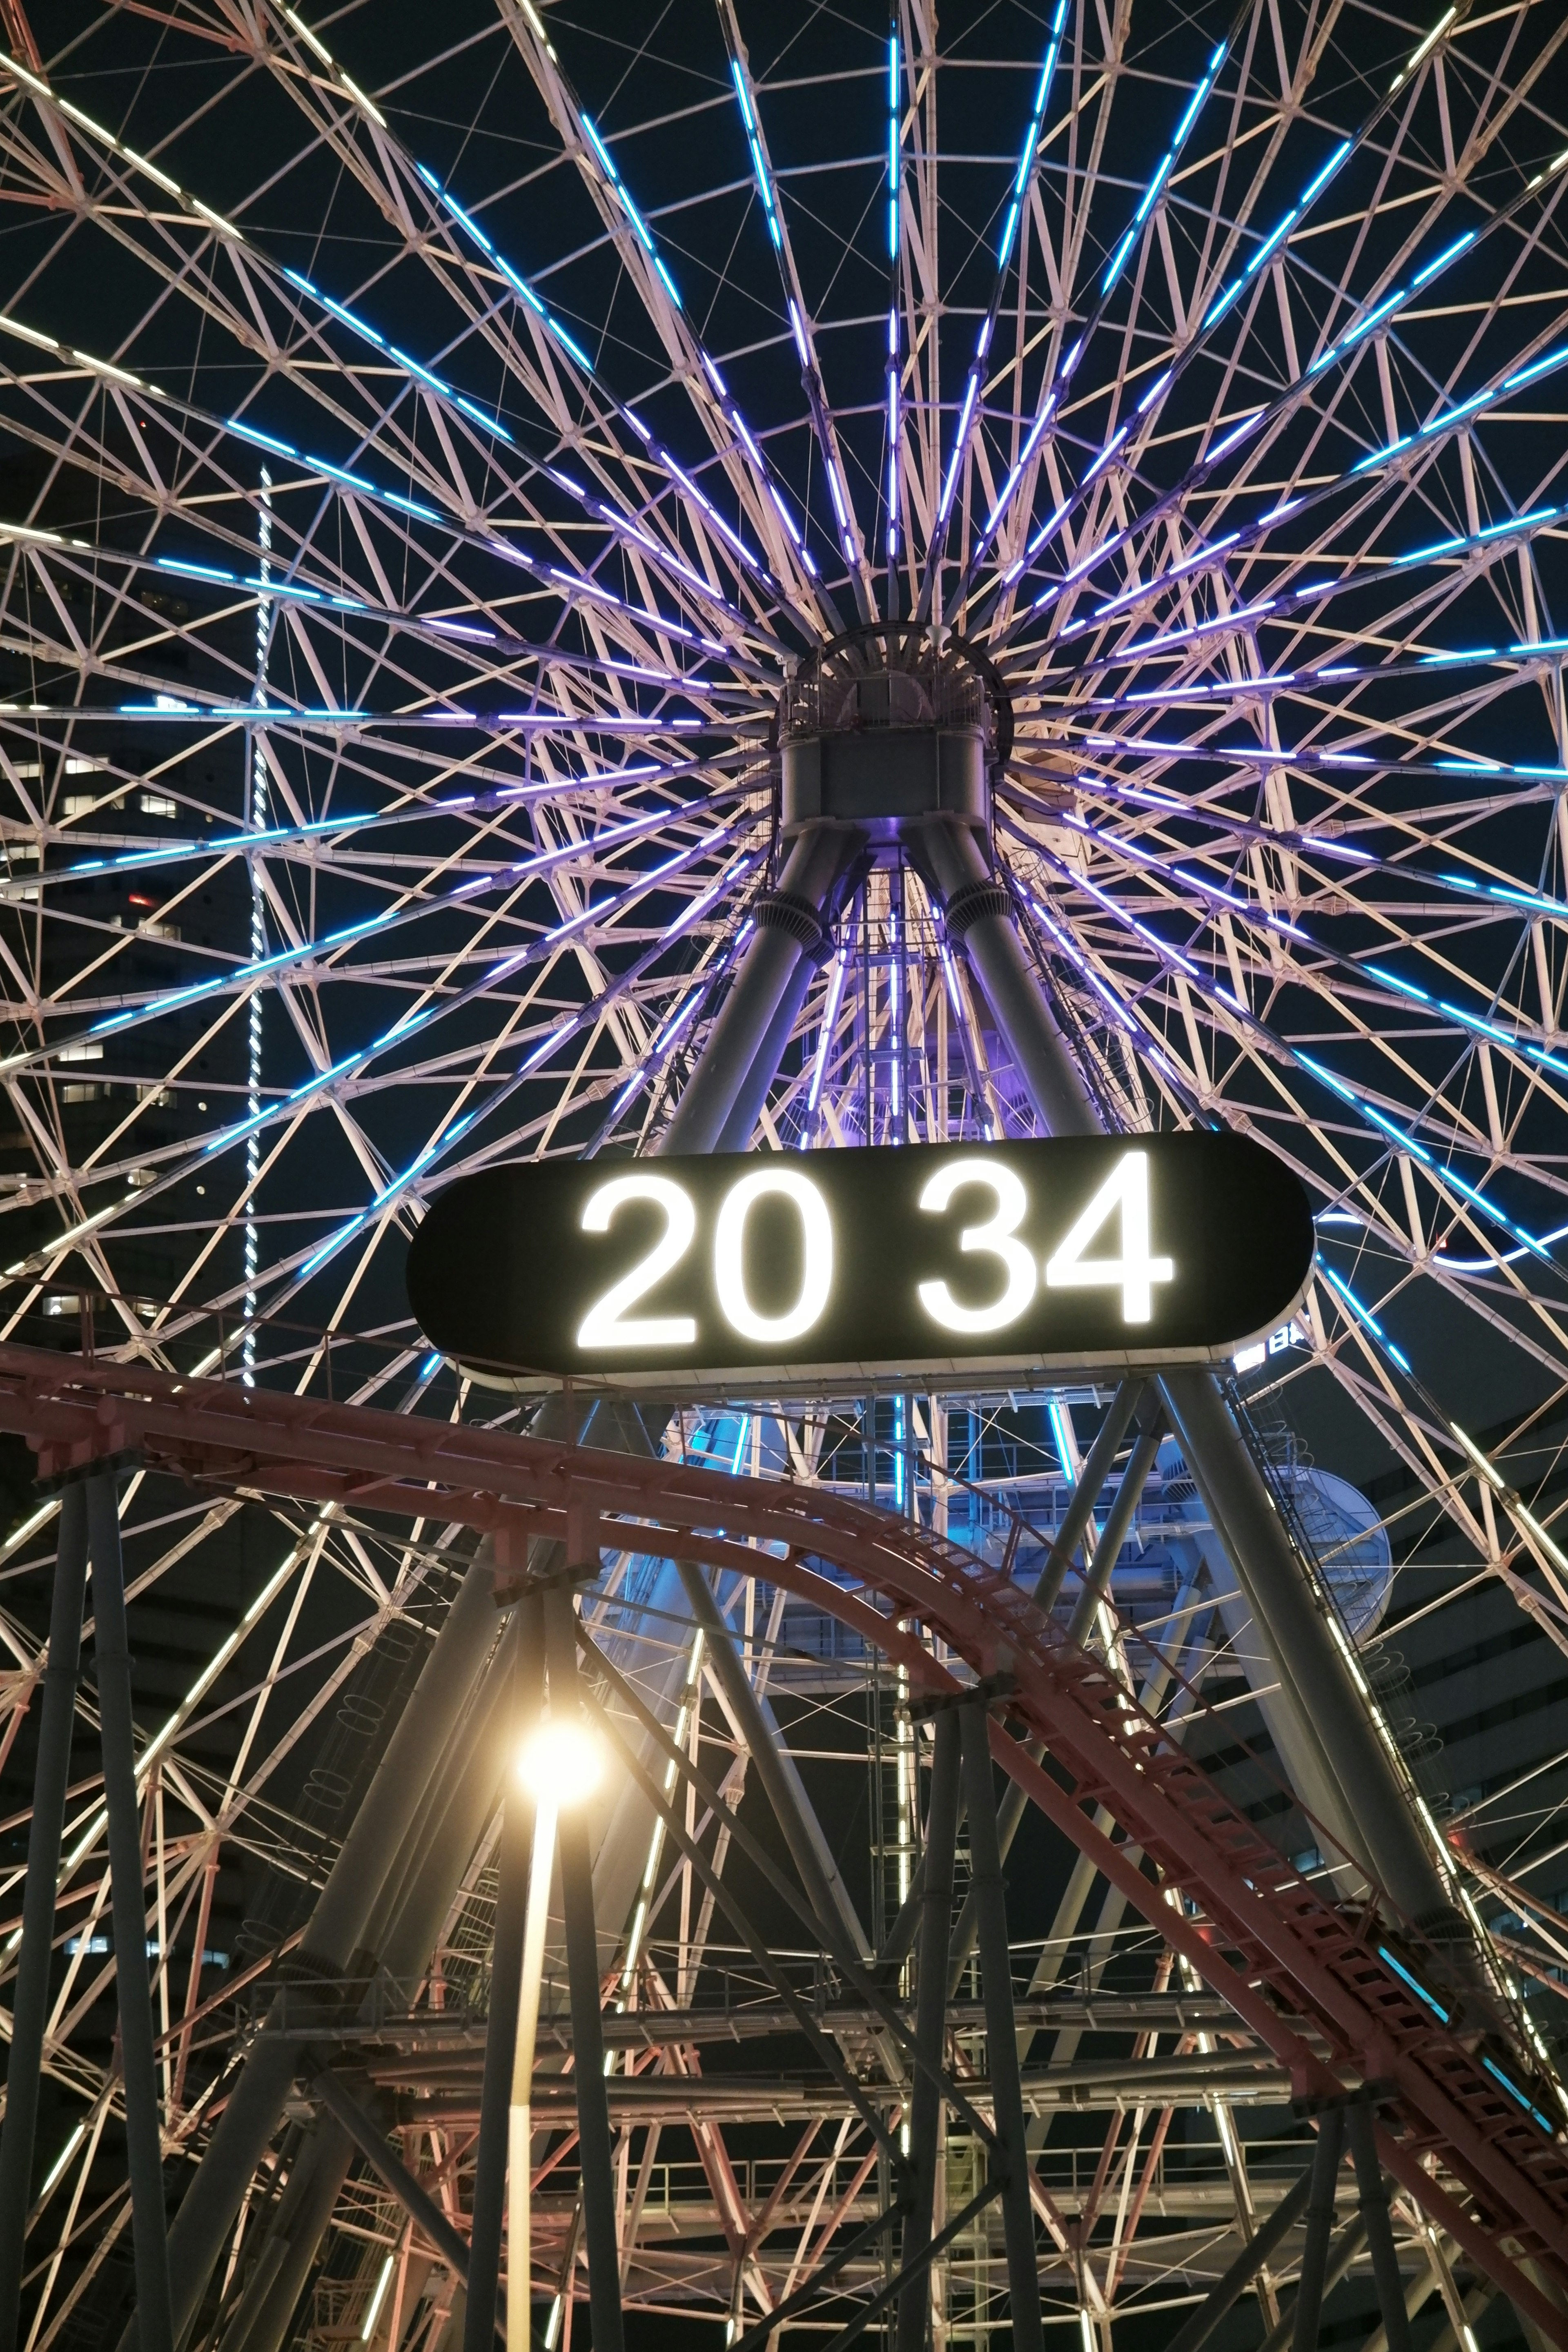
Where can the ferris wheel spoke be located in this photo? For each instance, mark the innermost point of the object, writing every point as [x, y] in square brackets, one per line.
[847, 537]
[1375, 310]
[745, 465]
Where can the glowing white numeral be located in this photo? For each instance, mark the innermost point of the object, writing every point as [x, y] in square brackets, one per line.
[602, 1326]
[994, 1238]
[728, 1254]
[1135, 1272]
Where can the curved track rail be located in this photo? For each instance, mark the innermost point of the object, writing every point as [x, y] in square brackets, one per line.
[1465, 2131]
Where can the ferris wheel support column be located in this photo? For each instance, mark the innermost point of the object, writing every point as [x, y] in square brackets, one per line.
[369, 1852]
[789, 924]
[1335, 1746]
[402, 1932]
[144, 2138]
[1001, 2031]
[747, 1109]
[30, 2006]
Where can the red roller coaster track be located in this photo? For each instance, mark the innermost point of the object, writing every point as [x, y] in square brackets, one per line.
[1463, 2128]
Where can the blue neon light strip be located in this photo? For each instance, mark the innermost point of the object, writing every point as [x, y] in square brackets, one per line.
[1419, 1989]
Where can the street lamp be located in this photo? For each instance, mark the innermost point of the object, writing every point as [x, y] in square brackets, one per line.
[559, 1764]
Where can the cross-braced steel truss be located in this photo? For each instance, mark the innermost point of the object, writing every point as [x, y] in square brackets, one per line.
[442, 462]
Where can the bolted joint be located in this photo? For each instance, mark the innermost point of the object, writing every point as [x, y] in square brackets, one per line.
[973, 904]
[783, 910]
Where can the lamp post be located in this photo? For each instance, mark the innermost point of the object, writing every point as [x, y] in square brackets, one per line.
[560, 1766]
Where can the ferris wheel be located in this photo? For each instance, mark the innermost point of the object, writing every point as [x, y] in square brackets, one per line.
[1040, 534]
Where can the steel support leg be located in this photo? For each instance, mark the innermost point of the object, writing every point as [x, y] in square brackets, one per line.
[1097, 1577]
[1344, 2251]
[1379, 2228]
[732, 1051]
[1301, 1648]
[1194, 2333]
[30, 2009]
[1118, 1525]
[596, 2171]
[1319, 2229]
[931, 2014]
[740, 1124]
[506, 1977]
[144, 2136]
[304, 2212]
[755, 1725]
[1371, 1803]
[979, 914]
[1096, 1470]
[411, 2194]
[368, 1853]
[1001, 2028]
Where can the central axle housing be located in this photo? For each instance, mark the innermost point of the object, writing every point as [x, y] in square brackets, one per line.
[886, 728]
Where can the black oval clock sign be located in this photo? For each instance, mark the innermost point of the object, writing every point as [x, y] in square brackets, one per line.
[929, 1259]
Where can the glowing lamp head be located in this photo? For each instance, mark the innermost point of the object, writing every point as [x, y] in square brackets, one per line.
[559, 1763]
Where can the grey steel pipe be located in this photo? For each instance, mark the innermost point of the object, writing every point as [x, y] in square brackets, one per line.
[1286, 1716]
[931, 2020]
[1300, 1647]
[30, 2007]
[1118, 1527]
[1312, 2284]
[506, 1981]
[740, 1125]
[596, 2168]
[272, 2293]
[1341, 2254]
[449, 1824]
[1091, 1480]
[426, 1898]
[756, 1727]
[411, 2194]
[804, 889]
[1194, 2333]
[980, 915]
[1286, 1612]
[1374, 2194]
[448, 1777]
[1010, 1811]
[1013, 1803]
[1000, 2030]
[368, 1853]
[143, 2135]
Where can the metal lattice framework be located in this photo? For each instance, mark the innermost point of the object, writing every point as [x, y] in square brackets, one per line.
[429, 459]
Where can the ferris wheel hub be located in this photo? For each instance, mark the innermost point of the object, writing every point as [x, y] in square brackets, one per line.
[886, 727]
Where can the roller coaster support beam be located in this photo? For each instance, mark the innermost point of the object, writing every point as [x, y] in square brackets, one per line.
[1075, 1523]
[1091, 1485]
[1371, 1810]
[593, 2148]
[1096, 1581]
[303, 2214]
[1001, 2028]
[930, 2024]
[756, 1727]
[1194, 2333]
[414, 2199]
[1374, 2193]
[371, 1848]
[1118, 1522]
[30, 2009]
[144, 2136]
[506, 1981]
